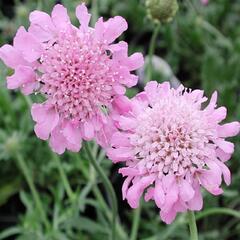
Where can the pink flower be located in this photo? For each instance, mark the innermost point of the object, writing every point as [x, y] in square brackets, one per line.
[171, 147]
[79, 71]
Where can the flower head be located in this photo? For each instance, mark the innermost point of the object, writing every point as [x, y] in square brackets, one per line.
[162, 11]
[79, 71]
[171, 147]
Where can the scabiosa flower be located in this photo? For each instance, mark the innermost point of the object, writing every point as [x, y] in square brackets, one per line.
[171, 147]
[79, 71]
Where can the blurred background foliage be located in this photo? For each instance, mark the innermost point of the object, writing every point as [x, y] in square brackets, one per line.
[200, 48]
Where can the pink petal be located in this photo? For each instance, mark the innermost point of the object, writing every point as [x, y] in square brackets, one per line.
[159, 195]
[111, 29]
[132, 80]
[27, 89]
[11, 56]
[226, 172]
[171, 195]
[226, 146]
[72, 133]
[136, 190]
[120, 154]
[149, 194]
[169, 216]
[28, 45]
[120, 55]
[151, 88]
[219, 114]
[125, 186]
[88, 130]
[83, 16]
[114, 28]
[119, 89]
[168, 181]
[127, 123]
[104, 131]
[41, 25]
[196, 203]
[60, 17]
[99, 29]
[210, 181]
[186, 191]
[196, 95]
[47, 119]
[122, 104]
[39, 112]
[135, 61]
[57, 141]
[229, 129]
[222, 155]
[212, 103]
[22, 76]
[119, 47]
[127, 171]
[120, 139]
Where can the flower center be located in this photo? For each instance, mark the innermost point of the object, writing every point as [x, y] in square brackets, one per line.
[172, 137]
[76, 75]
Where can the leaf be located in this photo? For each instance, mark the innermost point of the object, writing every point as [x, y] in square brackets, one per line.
[9, 232]
[9, 188]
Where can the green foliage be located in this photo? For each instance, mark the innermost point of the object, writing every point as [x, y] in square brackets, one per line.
[202, 47]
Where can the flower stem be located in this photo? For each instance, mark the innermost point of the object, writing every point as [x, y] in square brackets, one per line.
[151, 51]
[136, 221]
[214, 211]
[209, 27]
[192, 225]
[64, 178]
[25, 170]
[108, 186]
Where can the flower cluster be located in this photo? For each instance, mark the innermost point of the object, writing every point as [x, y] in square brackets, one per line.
[171, 147]
[79, 71]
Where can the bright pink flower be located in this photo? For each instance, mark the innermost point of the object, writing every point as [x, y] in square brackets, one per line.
[79, 71]
[171, 146]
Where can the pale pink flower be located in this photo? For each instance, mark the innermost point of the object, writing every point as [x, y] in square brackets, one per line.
[171, 147]
[79, 71]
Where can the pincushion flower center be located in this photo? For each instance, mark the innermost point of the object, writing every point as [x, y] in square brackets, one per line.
[171, 137]
[76, 75]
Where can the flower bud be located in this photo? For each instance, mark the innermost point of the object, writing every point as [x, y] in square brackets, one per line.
[162, 10]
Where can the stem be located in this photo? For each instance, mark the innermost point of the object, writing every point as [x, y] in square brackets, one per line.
[26, 172]
[214, 211]
[193, 6]
[215, 32]
[136, 221]
[151, 51]
[192, 225]
[64, 178]
[108, 187]
[90, 177]
[210, 28]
